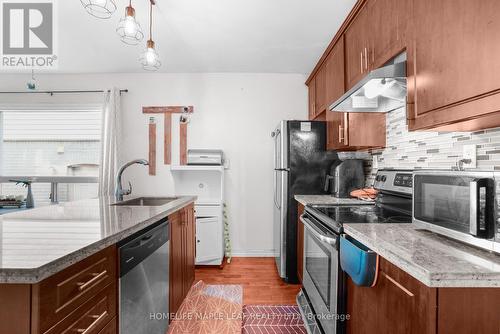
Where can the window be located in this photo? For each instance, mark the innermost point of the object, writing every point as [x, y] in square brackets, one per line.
[50, 141]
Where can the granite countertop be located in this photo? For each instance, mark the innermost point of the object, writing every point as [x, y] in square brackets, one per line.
[328, 200]
[37, 243]
[434, 260]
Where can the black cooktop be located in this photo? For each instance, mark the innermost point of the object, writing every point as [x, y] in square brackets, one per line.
[336, 216]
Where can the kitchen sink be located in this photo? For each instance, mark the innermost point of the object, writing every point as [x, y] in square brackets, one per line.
[147, 201]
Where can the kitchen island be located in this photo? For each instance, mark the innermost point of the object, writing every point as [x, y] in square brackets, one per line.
[59, 264]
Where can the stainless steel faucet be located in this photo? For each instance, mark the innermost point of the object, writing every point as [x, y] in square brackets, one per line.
[119, 191]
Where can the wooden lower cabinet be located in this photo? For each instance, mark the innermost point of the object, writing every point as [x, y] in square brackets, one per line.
[182, 255]
[400, 304]
[111, 327]
[300, 243]
[91, 317]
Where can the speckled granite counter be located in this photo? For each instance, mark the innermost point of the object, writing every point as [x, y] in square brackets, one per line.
[328, 200]
[36, 243]
[432, 259]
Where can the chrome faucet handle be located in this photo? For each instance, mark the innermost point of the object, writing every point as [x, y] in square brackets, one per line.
[129, 190]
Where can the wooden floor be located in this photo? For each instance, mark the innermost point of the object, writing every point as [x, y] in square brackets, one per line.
[259, 278]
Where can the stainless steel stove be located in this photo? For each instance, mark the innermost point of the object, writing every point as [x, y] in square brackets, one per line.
[323, 296]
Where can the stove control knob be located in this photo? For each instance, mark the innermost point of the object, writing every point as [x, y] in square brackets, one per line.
[377, 178]
[383, 178]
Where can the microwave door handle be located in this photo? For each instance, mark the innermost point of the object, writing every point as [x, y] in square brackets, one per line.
[474, 205]
[316, 232]
[477, 210]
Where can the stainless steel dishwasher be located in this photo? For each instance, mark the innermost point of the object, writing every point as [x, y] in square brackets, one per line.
[144, 281]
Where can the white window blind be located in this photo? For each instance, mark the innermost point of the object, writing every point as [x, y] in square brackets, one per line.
[52, 125]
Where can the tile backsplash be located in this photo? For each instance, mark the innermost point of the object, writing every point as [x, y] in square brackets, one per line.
[431, 150]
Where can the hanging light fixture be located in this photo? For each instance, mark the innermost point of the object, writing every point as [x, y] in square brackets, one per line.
[102, 9]
[150, 59]
[129, 29]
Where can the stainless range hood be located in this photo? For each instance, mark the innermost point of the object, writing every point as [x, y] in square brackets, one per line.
[382, 90]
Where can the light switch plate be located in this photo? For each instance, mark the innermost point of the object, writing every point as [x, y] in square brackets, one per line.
[470, 152]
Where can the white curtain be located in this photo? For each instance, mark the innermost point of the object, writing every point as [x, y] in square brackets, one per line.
[110, 146]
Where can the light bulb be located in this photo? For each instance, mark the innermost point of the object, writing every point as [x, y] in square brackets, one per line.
[374, 88]
[130, 26]
[150, 56]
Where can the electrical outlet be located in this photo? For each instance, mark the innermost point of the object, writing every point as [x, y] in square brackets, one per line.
[470, 152]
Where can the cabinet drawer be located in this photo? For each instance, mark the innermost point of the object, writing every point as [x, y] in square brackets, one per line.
[91, 317]
[57, 296]
[207, 211]
[110, 327]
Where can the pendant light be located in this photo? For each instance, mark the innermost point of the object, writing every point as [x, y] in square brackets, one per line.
[129, 29]
[150, 59]
[102, 9]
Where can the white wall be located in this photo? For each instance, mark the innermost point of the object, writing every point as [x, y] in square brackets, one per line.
[234, 112]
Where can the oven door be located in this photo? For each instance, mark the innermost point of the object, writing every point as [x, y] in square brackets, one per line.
[321, 271]
[462, 203]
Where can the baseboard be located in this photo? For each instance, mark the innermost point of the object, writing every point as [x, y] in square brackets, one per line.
[253, 253]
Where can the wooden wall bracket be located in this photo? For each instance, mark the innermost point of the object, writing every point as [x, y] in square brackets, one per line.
[167, 111]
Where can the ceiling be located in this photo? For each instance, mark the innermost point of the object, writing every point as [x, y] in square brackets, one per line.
[261, 36]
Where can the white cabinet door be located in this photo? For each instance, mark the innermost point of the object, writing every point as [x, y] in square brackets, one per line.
[208, 240]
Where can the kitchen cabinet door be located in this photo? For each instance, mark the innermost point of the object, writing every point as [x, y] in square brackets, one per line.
[335, 88]
[397, 304]
[334, 73]
[457, 43]
[366, 130]
[176, 262]
[388, 30]
[190, 247]
[356, 48]
[312, 98]
[208, 233]
[320, 91]
[338, 132]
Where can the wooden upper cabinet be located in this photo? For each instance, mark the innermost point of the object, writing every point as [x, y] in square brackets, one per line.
[312, 98]
[389, 24]
[356, 48]
[457, 43]
[335, 87]
[320, 91]
[334, 73]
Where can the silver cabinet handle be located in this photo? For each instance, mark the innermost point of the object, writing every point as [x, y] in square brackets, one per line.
[96, 277]
[317, 232]
[361, 60]
[92, 326]
[366, 59]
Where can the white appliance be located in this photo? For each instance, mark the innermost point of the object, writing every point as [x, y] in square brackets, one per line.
[205, 157]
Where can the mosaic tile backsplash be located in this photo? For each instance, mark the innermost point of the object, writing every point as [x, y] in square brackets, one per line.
[431, 150]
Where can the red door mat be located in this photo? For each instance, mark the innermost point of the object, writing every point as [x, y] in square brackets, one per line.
[275, 319]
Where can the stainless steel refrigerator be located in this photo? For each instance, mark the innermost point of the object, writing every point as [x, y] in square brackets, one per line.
[300, 166]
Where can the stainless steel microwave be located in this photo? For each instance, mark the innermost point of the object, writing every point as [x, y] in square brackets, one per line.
[460, 205]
